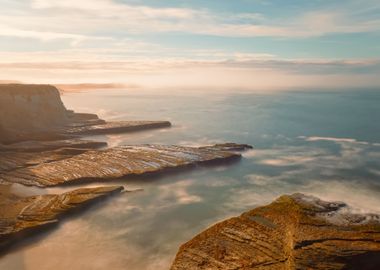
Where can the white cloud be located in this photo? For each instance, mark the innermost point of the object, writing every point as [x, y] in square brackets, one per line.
[109, 18]
[113, 9]
[85, 41]
[45, 35]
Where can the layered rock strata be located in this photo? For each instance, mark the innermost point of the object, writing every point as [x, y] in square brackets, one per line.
[116, 127]
[18, 216]
[38, 146]
[293, 232]
[109, 164]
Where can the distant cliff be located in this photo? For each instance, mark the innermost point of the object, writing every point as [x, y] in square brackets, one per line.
[29, 108]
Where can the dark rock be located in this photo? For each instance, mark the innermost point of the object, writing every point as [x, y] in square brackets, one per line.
[231, 147]
[294, 232]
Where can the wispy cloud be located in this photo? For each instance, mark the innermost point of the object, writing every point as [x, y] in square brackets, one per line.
[188, 73]
[107, 17]
[62, 39]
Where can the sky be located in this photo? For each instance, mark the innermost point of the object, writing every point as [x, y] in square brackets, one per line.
[245, 44]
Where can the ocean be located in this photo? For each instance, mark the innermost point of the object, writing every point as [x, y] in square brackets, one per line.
[319, 142]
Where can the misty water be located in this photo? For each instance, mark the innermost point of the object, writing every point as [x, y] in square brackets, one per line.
[323, 143]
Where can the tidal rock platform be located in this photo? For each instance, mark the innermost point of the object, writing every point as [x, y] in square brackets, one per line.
[21, 216]
[293, 232]
[109, 164]
[117, 127]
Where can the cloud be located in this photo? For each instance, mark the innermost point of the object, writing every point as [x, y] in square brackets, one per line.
[106, 18]
[108, 8]
[101, 41]
[188, 73]
[43, 35]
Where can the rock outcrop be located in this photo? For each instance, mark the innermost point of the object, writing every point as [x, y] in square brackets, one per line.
[294, 232]
[117, 127]
[10, 161]
[36, 112]
[29, 108]
[38, 146]
[20, 216]
[107, 164]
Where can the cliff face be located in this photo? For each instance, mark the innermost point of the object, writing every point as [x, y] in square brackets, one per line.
[29, 108]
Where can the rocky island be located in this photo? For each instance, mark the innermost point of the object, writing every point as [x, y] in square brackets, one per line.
[293, 232]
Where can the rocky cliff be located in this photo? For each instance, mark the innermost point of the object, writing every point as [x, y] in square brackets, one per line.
[293, 232]
[36, 113]
[29, 108]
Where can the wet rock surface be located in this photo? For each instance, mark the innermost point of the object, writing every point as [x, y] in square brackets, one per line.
[229, 147]
[38, 146]
[108, 164]
[116, 127]
[293, 232]
[10, 161]
[19, 216]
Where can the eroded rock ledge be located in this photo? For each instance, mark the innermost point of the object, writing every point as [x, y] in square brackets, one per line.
[116, 127]
[293, 232]
[36, 112]
[24, 215]
[47, 169]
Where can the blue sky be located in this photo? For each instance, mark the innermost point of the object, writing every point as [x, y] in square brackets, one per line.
[41, 39]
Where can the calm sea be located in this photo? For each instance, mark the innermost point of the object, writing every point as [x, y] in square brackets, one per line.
[323, 143]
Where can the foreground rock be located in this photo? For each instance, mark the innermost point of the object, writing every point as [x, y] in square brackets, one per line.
[294, 232]
[113, 163]
[24, 215]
